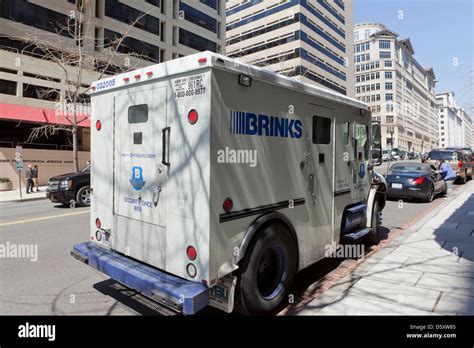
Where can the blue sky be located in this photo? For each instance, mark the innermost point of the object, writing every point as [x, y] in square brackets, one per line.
[440, 32]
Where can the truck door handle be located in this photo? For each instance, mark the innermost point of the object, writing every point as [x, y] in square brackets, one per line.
[166, 146]
[156, 195]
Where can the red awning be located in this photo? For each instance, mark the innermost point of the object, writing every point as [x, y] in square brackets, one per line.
[39, 115]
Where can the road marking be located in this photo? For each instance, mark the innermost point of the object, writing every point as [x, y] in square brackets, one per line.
[41, 218]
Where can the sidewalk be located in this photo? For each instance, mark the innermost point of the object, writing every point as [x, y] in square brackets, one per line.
[14, 195]
[428, 270]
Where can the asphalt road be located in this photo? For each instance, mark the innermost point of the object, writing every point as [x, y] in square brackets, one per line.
[57, 284]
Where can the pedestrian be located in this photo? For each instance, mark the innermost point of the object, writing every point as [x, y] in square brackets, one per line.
[29, 179]
[449, 175]
[35, 177]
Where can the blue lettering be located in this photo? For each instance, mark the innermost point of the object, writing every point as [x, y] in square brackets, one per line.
[263, 124]
[251, 124]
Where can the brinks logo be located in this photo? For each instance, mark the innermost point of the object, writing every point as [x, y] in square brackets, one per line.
[270, 126]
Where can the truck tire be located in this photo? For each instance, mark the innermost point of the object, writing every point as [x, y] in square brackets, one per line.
[374, 236]
[83, 196]
[267, 272]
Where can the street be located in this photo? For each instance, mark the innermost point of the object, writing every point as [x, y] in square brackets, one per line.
[57, 284]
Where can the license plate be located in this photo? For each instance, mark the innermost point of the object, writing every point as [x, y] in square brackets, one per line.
[221, 295]
[397, 185]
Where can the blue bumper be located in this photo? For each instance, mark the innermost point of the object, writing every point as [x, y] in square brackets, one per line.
[177, 293]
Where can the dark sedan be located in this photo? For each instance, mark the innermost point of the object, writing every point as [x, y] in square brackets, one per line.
[409, 180]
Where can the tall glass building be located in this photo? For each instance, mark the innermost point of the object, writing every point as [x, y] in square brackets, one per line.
[310, 40]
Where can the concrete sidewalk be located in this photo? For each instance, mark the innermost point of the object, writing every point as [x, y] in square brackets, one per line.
[14, 195]
[428, 270]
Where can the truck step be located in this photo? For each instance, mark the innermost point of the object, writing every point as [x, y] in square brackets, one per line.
[179, 294]
[357, 235]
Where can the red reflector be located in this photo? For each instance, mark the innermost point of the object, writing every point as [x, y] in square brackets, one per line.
[98, 223]
[419, 181]
[98, 125]
[149, 73]
[202, 60]
[126, 79]
[137, 76]
[228, 205]
[93, 87]
[193, 116]
[191, 252]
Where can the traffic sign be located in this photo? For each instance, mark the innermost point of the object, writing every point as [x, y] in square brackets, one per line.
[19, 165]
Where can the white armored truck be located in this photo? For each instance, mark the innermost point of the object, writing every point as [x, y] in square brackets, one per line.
[214, 182]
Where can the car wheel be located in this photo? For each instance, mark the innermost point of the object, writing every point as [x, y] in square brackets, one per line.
[374, 237]
[83, 196]
[430, 196]
[267, 271]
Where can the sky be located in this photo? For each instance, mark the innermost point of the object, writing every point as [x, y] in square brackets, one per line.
[442, 35]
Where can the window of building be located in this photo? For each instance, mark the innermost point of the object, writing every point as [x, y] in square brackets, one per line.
[356, 35]
[389, 119]
[384, 55]
[389, 107]
[367, 33]
[210, 3]
[40, 92]
[197, 42]
[321, 130]
[126, 14]
[7, 87]
[388, 63]
[388, 85]
[388, 96]
[388, 74]
[384, 44]
[198, 18]
[132, 46]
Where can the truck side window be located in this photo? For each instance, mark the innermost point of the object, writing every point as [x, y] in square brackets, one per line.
[345, 133]
[138, 113]
[321, 130]
[362, 132]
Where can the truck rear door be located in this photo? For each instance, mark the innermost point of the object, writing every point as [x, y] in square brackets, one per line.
[141, 140]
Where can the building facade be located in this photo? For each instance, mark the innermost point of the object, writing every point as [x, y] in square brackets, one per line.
[309, 40]
[399, 91]
[163, 30]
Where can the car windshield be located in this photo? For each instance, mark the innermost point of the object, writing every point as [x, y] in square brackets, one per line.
[87, 168]
[442, 155]
[407, 168]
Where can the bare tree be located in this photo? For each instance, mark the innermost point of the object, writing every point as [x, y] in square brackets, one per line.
[71, 49]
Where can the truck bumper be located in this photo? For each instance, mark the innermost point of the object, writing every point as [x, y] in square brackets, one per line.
[180, 294]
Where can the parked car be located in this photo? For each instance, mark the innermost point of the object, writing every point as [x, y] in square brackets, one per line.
[71, 188]
[385, 156]
[459, 160]
[424, 156]
[408, 180]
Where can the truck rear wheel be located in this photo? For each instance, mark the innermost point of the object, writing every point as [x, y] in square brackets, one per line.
[374, 237]
[267, 272]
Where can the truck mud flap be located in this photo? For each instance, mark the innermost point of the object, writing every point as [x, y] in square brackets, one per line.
[177, 293]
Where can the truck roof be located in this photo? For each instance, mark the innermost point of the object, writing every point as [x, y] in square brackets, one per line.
[210, 59]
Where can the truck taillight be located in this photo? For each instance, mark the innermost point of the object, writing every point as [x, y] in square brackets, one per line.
[228, 205]
[419, 181]
[98, 125]
[191, 253]
[98, 223]
[193, 116]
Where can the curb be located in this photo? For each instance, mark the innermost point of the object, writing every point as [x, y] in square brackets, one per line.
[24, 200]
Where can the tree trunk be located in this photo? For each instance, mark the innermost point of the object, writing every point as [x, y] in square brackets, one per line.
[75, 154]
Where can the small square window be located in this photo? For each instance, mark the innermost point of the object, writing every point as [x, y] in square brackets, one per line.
[321, 130]
[138, 113]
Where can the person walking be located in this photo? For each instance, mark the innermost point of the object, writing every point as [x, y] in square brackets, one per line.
[449, 175]
[29, 179]
[35, 173]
